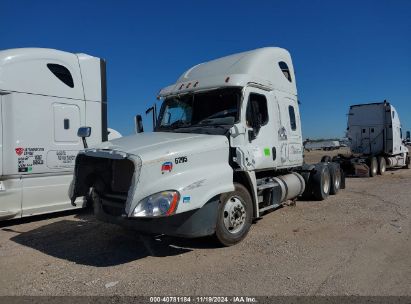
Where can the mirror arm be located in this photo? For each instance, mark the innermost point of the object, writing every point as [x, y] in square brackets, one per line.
[84, 142]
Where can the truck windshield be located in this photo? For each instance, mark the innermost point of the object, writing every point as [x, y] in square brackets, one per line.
[200, 112]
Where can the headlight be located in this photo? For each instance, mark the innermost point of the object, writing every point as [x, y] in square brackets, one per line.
[159, 204]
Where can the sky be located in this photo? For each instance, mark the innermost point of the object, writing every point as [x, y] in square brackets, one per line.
[344, 52]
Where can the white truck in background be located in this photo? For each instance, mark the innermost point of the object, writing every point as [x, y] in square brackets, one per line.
[376, 141]
[45, 96]
[226, 148]
[326, 145]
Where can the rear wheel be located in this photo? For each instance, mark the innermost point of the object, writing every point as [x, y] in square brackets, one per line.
[335, 174]
[382, 165]
[326, 159]
[234, 216]
[321, 181]
[373, 165]
[407, 162]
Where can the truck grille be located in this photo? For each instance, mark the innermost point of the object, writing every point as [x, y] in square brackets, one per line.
[113, 191]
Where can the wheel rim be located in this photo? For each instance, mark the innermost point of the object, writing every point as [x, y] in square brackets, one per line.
[234, 214]
[326, 182]
[374, 168]
[383, 167]
[337, 179]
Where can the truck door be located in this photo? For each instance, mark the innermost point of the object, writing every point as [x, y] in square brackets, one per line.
[55, 146]
[259, 143]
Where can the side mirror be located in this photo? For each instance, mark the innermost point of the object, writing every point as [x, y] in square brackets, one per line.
[84, 132]
[138, 121]
[408, 135]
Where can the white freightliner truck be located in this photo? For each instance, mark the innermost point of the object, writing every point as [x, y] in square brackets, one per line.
[45, 96]
[375, 138]
[226, 148]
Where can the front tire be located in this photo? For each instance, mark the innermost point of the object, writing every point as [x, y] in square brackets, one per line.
[235, 215]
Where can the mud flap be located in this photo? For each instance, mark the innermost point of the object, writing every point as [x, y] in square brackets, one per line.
[361, 170]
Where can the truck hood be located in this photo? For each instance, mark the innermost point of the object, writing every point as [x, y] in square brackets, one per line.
[152, 146]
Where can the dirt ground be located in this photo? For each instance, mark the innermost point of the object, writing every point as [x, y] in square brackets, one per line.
[354, 243]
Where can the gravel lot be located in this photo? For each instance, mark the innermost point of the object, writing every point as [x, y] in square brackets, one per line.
[355, 243]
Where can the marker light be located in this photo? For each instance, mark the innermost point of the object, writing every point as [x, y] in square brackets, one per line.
[156, 205]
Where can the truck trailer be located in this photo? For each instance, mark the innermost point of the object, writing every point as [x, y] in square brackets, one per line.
[375, 138]
[226, 148]
[326, 145]
[45, 96]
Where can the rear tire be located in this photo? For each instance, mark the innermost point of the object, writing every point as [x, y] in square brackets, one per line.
[373, 164]
[382, 165]
[335, 174]
[321, 181]
[326, 159]
[342, 185]
[235, 214]
[407, 162]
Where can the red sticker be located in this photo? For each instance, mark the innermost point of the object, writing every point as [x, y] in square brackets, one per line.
[19, 151]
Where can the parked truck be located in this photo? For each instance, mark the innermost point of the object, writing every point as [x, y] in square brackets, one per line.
[45, 96]
[326, 145]
[226, 148]
[375, 138]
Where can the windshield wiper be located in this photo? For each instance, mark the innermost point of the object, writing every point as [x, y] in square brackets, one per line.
[175, 125]
[209, 125]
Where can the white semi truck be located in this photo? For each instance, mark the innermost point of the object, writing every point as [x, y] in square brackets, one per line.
[45, 96]
[376, 141]
[226, 147]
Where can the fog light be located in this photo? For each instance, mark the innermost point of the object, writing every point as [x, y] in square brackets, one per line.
[159, 204]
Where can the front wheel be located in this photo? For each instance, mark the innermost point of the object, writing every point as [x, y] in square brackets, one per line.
[235, 215]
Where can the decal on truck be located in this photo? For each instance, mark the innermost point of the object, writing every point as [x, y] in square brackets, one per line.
[28, 158]
[19, 151]
[166, 167]
[180, 160]
[61, 158]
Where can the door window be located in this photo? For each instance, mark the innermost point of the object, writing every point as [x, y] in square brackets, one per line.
[257, 112]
